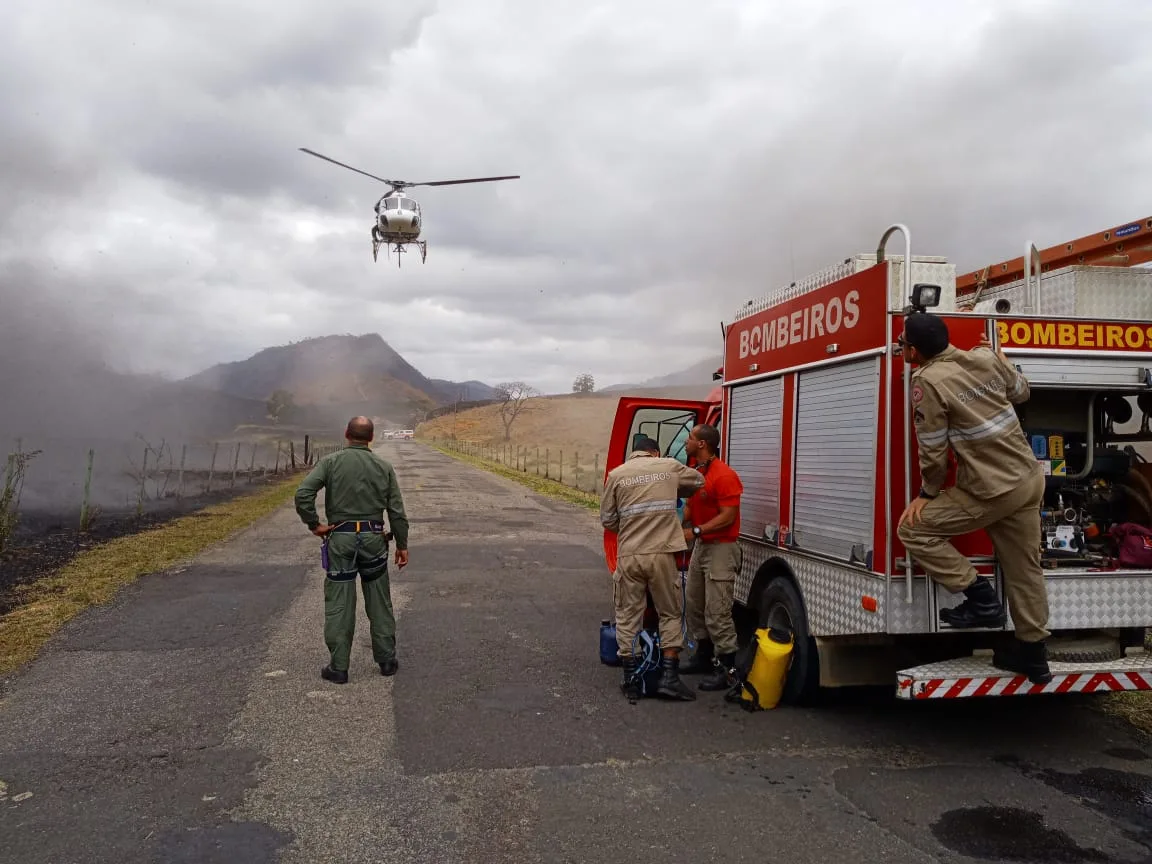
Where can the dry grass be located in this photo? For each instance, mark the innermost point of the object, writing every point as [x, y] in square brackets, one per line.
[572, 431]
[537, 484]
[94, 576]
[1136, 708]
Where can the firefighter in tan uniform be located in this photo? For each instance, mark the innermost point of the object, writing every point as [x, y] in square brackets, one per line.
[639, 504]
[964, 400]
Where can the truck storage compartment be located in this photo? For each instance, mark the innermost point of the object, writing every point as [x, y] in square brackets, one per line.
[1092, 444]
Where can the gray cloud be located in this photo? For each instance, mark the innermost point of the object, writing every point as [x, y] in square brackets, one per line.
[676, 160]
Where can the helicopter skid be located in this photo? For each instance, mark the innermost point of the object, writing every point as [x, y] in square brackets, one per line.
[397, 244]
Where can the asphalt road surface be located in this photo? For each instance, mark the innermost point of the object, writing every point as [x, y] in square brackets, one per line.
[187, 722]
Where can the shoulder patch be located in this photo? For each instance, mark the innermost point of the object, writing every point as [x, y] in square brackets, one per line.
[917, 394]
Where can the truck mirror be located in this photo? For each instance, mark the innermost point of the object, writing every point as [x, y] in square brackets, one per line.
[925, 296]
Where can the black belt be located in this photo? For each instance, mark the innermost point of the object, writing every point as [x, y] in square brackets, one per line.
[366, 526]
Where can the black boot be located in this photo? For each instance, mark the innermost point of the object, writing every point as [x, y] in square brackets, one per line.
[671, 687]
[701, 661]
[629, 684]
[389, 667]
[1024, 658]
[334, 675]
[981, 609]
[718, 680]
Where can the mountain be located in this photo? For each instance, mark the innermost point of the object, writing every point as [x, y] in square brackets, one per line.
[696, 375]
[465, 391]
[344, 373]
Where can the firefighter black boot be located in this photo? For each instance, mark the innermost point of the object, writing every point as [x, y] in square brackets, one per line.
[982, 608]
[718, 680]
[1024, 658]
[670, 686]
[629, 686]
[701, 661]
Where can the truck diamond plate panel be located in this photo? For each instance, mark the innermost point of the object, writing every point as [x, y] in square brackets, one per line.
[1082, 292]
[755, 417]
[831, 593]
[925, 268]
[1099, 601]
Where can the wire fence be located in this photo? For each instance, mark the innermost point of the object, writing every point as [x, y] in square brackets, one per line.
[569, 467]
[80, 479]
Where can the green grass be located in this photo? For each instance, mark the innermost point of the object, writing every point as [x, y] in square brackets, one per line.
[93, 577]
[551, 488]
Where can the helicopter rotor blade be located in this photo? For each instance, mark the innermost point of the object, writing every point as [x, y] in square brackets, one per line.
[350, 168]
[470, 180]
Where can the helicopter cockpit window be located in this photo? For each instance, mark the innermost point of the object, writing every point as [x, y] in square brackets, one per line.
[391, 204]
[407, 204]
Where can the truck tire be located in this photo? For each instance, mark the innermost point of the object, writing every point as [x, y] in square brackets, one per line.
[1085, 649]
[781, 606]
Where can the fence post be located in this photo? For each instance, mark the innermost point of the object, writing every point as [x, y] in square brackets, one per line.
[596, 474]
[276, 470]
[212, 467]
[143, 478]
[561, 479]
[577, 464]
[235, 463]
[547, 463]
[252, 463]
[87, 492]
[180, 476]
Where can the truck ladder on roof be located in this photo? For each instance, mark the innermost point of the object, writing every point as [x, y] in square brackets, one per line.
[1102, 249]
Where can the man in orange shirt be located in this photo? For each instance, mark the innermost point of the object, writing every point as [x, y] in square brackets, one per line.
[712, 520]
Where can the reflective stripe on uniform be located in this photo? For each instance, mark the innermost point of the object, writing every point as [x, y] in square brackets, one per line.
[646, 507]
[987, 429]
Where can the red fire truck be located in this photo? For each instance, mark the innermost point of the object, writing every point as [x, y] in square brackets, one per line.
[814, 416]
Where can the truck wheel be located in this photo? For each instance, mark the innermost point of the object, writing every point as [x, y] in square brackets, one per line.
[780, 606]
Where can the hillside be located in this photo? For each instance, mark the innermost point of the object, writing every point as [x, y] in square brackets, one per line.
[696, 375]
[570, 425]
[343, 373]
[465, 391]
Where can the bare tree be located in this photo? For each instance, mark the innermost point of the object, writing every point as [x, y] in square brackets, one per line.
[513, 398]
[584, 383]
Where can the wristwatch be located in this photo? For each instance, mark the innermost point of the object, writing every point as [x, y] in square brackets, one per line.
[695, 530]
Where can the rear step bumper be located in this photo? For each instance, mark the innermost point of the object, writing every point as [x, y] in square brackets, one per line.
[968, 677]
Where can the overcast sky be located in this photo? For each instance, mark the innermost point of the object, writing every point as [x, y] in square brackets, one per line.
[676, 159]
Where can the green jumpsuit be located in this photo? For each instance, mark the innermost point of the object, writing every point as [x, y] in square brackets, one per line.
[359, 486]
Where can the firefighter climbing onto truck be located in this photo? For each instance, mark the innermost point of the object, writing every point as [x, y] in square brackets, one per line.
[963, 403]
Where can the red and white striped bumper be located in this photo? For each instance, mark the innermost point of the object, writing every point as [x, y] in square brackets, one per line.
[976, 676]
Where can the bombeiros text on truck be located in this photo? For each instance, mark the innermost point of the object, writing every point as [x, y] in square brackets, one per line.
[815, 415]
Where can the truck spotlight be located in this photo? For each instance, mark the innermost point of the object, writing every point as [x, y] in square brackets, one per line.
[925, 296]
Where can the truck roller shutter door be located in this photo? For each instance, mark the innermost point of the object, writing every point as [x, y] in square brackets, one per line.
[835, 477]
[753, 444]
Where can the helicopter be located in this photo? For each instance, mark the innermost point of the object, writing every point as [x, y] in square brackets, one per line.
[398, 215]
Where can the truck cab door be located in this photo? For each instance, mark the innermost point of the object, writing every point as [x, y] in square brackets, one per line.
[666, 421]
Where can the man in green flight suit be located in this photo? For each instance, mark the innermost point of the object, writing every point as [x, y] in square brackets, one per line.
[359, 486]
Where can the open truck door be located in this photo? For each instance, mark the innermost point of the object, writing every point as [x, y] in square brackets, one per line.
[666, 421]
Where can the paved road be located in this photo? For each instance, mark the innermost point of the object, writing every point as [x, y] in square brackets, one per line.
[187, 722]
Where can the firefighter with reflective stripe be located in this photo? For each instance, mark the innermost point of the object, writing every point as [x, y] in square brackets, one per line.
[639, 505]
[712, 520]
[359, 487]
[963, 401]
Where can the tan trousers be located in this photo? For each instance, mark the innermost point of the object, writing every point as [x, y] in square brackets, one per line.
[1013, 524]
[711, 581]
[636, 574]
